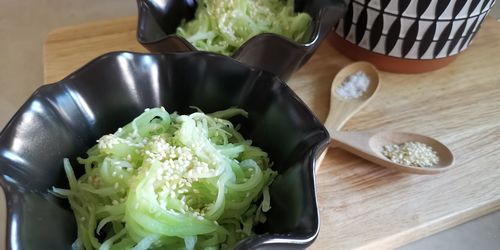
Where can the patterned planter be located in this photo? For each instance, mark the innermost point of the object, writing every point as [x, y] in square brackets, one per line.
[409, 36]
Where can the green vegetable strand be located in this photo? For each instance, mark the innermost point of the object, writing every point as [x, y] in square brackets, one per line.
[170, 181]
[222, 26]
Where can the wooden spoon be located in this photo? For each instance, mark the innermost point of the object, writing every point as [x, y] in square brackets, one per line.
[342, 109]
[368, 145]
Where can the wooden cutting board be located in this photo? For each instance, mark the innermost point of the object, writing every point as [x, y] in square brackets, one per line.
[363, 205]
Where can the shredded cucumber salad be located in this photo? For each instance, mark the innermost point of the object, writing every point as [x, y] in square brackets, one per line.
[222, 26]
[169, 181]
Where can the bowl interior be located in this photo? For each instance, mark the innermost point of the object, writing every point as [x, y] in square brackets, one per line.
[159, 19]
[162, 17]
[64, 119]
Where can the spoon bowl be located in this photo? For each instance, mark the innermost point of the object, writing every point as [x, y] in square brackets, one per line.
[342, 109]
[369, 144]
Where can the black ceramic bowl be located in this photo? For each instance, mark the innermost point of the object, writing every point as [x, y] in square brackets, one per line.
[159, 19]
[65, 119]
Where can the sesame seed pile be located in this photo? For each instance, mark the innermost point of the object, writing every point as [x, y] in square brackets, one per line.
[414, 154]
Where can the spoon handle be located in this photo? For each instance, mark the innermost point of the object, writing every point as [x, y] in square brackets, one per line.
[357, 143]
[341, 111]
[350, 141]
[336, 120]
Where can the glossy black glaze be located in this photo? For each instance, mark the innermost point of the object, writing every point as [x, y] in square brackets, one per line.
[64, 119]
[158, 20]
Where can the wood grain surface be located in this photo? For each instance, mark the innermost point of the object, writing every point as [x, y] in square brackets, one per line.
[362, 205]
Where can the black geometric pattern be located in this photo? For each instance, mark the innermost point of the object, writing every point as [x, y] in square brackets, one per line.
[403, 5]
[473, 6]
[422, 6]
[455, 39]
[409, 39]
[469, 33]
[441, 7]
[426, 41]
[413, 29]
[361, 24]
[459, 5]
[377, 28]
[392, 36]
[348, 16]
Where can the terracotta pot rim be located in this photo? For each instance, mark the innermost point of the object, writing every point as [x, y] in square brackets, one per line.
[387, 62]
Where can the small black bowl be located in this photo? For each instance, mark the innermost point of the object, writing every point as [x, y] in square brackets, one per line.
[64, 119]
[159, 19]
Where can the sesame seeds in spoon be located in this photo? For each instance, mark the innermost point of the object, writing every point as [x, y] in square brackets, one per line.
[417, 154]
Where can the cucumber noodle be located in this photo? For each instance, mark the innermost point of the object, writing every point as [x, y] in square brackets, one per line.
[170, 181]
[222, 26]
